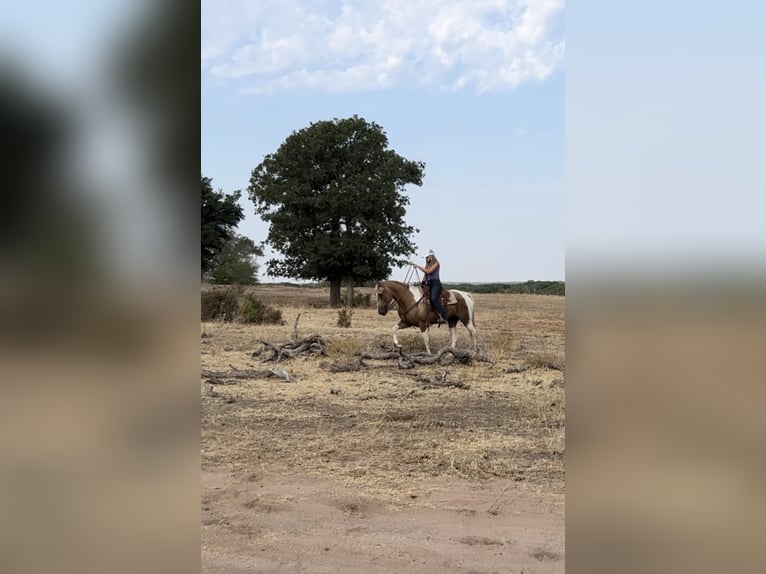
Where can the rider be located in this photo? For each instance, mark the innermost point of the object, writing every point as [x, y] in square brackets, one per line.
[431, 271]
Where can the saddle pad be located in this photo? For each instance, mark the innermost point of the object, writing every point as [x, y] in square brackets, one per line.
[451, 299]
[447, 297]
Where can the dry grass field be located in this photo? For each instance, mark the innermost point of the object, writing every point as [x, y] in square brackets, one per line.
[321, 473]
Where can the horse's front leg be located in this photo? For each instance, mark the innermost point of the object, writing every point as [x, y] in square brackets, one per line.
[399, 325]
[426, 339]
[453, 334]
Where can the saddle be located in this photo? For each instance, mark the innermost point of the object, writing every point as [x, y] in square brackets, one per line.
[446, 297]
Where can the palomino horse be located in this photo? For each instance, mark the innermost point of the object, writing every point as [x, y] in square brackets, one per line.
[415, 310]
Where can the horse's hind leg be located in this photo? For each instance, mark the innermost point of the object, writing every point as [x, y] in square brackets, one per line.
[472, 330]
[453, 334]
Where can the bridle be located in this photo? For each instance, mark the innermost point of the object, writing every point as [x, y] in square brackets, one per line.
[395, 300]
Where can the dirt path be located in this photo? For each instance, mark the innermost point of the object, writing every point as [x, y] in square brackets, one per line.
[277, 522]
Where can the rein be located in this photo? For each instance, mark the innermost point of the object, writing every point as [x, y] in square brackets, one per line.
[395, 300]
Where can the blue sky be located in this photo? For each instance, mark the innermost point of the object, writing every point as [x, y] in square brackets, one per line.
[664, 136]
[473, 89]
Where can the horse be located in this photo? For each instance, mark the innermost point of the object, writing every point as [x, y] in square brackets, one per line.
[415, 310]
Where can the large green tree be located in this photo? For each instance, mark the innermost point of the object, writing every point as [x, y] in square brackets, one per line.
[220, 216]
[333, 195]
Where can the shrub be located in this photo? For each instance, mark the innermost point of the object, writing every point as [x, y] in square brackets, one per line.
[254, 311]
[220, 304]
[344, 317]
[362, 299]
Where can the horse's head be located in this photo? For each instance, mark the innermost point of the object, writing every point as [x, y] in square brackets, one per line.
[384, 297]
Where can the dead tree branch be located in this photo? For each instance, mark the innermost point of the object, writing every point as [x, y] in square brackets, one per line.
[217, 381]
[355, 365]
[445, 356]
[223, 376]
[449, 355]
[294, 336]
[235, 375]
[312, 346]
[225, 397]
[440, 381]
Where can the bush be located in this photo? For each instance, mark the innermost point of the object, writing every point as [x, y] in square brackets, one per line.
[254, 311]
[344, 317]
[361, 299]
[220, 304]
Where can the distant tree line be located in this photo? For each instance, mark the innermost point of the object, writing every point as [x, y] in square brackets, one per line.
[531, 287]
[526, 287]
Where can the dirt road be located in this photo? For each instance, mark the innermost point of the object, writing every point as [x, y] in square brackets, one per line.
[275, 522]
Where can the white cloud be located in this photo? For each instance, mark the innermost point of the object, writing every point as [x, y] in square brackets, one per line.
[485, 45]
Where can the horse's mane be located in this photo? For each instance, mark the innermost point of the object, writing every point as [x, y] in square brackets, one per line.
[400, 283]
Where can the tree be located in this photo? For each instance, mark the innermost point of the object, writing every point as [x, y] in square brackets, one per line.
[333, 195]
[220, 216]
[235, 263]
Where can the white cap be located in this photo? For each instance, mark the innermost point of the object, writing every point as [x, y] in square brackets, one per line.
[430, 252]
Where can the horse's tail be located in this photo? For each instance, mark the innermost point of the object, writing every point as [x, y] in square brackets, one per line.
[470, 305]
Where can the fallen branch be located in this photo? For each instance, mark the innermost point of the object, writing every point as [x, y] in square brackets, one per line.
[225, 397]
[440, 381]
[445, 356]
[356, 365]
[294, 336]
[403, 360]
[448, 355]
[217, 381]
[233, 376]
[223, 376]
[313, 345]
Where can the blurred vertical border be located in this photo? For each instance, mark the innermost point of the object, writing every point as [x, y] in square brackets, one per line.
[666, 270]
[99, 286]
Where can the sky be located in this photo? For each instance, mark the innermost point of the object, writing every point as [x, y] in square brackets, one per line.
[475, 89]
[664, 137]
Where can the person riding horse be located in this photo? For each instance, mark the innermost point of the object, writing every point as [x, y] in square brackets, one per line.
[431, 271]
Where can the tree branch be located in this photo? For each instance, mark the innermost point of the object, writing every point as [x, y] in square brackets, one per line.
[313, 345]
[445, 356]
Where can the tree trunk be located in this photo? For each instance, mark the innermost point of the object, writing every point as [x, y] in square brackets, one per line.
[349, 293]
[335, 292]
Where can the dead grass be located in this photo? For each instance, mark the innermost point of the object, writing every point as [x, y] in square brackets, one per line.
[544, 361]
[378, 428]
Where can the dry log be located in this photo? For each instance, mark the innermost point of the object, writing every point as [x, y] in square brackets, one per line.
[282, 374]
[445, 356]
[313, 345]
[231, 377]
[403, 361]
[440, 381]
[225, 397]
[356, 365]
[448, 355]
[236, 374]
[217, 381]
